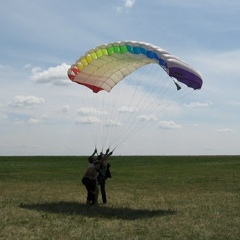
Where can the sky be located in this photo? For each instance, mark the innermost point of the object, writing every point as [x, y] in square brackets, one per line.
[40, 107]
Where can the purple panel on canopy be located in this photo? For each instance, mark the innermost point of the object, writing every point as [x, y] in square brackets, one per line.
[186, 77]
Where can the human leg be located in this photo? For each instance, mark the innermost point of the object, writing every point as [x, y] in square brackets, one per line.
[90, 186]
[103, 191]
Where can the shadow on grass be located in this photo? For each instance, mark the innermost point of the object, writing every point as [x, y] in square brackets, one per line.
[75, 208]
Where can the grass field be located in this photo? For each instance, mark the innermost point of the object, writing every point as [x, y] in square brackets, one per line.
[148, 198]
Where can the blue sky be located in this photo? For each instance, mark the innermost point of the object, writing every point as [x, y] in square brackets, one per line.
[39, 106]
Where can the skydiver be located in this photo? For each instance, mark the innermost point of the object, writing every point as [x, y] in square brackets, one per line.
[90, 181]
[104, 174]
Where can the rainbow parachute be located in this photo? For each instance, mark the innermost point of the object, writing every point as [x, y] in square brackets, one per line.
[103, 67]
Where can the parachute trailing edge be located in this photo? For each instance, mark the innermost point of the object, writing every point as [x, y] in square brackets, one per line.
[103, 67]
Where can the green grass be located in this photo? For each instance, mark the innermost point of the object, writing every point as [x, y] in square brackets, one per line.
[148, 198]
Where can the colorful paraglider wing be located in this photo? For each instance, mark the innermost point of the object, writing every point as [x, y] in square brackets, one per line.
[103, 67]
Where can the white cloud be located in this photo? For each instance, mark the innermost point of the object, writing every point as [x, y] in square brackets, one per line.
[197, 104]
[145, 118]
[27, 66]
[112, 123]
[26, 102]
[54, 75]
[129, 3]
[169, 125]
[92, 111]
[87, 120]
[224, 130]
[118, 9]
[34, 121]
[124, 109]
[65, 108]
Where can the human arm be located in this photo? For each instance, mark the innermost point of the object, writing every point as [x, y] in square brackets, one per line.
[95, 152]
[108, 153]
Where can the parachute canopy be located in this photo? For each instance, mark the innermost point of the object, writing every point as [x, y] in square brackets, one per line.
[145, 92]
[103, 67]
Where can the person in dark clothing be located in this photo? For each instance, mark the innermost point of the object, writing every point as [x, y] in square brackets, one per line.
[104, 174]
[90, 181]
